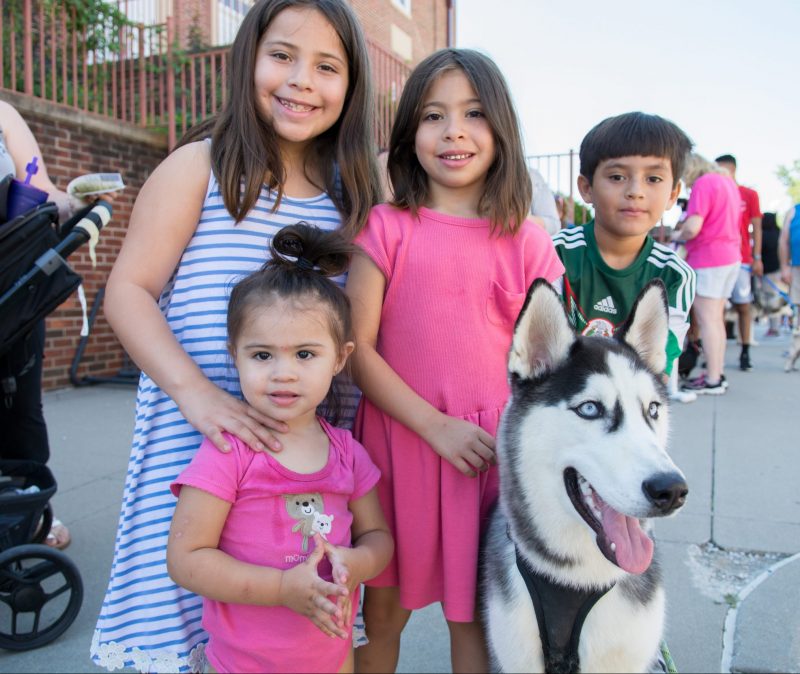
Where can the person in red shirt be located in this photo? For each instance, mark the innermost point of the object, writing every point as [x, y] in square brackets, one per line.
[742, 296]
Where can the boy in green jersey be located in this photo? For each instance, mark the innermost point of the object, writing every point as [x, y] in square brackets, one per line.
[630, 172]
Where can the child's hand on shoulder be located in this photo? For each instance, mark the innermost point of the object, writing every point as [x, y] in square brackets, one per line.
[303, 591]
[211, 411]
[467, 446]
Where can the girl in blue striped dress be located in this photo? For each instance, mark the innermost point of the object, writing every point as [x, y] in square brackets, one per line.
[292, 144]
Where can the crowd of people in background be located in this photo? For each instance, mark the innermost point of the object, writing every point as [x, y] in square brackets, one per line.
[742, 258]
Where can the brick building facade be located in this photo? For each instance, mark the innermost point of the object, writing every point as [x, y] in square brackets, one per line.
[411, 29]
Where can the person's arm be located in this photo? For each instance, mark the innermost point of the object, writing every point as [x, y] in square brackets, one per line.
[22, 147]
[463, 444]
[194, 561]
[688, 229]
[162, 223]
[783, 247]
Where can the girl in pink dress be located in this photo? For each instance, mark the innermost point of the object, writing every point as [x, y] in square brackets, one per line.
[436, 289]
[277, 542]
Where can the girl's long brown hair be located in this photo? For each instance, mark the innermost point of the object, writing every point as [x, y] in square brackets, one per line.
[506, 199]
[244, 147]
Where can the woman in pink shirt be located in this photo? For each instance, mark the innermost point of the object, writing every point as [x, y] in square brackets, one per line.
[713, 245]
[277, 543]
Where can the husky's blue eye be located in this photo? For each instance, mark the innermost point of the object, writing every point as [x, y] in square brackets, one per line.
[652, 410]
[590, 409]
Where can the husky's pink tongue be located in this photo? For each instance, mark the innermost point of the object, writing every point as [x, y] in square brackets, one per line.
[634, 548]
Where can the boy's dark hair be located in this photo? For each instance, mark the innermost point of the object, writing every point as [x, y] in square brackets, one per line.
[318, 254]
[244, 146]
[634, 134]
[726, 159]
[506, 199]
[769, 221]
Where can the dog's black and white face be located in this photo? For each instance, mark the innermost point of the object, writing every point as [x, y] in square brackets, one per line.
[583, 438]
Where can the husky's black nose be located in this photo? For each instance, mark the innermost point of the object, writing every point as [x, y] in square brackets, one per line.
[666, 491]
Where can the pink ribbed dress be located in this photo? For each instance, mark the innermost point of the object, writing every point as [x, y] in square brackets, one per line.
[453, 292]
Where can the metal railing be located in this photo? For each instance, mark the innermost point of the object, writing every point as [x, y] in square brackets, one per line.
[102, 64]
[108, 65]
[559, 172]
[389, 75]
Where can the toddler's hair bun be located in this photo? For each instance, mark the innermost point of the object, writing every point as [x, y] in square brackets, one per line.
[304, 247]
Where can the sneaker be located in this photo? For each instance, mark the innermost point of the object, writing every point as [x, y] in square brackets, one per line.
[772, 332]
[683, 396]
[700, 386]
[744, 361]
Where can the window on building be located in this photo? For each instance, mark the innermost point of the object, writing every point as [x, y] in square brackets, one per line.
[403, 5]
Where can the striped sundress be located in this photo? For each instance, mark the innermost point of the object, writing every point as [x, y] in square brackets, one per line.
[146, 620]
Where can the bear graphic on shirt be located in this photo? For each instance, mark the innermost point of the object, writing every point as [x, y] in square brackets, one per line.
[322, 524]
[306, 508]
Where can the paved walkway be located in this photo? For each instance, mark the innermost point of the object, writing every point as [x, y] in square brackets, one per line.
[730, 557]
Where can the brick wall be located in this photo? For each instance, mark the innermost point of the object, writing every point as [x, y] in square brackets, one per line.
[74, 143]
[427, 24]
[192, 16]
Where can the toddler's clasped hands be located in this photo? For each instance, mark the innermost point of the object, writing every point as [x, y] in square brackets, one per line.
[303, 591]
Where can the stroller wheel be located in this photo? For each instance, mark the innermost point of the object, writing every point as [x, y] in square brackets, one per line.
[40, 595]
[44, 525]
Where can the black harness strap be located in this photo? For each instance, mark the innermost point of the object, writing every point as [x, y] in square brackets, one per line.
[560, 613]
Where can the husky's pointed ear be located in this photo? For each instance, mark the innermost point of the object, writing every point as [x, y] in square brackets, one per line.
[542, 334]
[647, 327]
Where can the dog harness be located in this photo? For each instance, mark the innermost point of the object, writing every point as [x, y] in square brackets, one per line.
[560, 613]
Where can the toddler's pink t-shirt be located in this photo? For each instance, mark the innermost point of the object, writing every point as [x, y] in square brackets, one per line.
[716, 198]
[274, 514]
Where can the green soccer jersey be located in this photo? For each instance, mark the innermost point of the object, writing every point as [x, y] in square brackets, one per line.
[599, 298]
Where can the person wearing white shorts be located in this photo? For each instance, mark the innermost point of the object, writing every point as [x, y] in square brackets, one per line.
[718, 282]
[714, 287]
[711, 234]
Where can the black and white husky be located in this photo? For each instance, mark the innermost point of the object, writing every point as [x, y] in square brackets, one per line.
[568, 581]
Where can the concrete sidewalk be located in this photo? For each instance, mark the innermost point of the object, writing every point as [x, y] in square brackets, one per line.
[730, 557]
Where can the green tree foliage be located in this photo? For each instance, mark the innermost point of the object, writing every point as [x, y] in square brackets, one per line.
[790, 176]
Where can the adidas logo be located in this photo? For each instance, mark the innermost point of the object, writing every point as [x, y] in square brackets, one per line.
[606, 306]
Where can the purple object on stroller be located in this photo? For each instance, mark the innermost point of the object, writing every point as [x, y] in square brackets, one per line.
[41, 590]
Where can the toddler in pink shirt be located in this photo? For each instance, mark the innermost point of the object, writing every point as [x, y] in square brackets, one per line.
[278, 542]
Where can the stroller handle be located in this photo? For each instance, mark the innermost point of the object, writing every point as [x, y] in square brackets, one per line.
[83, 226]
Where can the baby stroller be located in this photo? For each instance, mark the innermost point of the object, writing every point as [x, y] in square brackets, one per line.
[41, 590]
